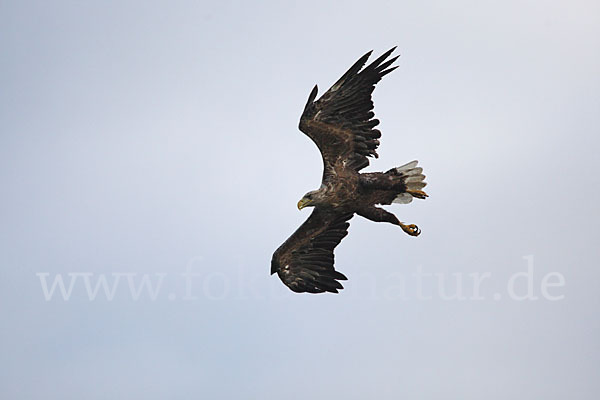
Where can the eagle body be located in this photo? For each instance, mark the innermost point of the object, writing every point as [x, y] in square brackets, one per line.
[342, 126]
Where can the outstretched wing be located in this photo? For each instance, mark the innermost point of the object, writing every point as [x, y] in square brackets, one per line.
[341, 122]
[304, 262]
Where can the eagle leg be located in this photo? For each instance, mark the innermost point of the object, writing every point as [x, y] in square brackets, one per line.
[377, 214]
[411, 229]
[419, 194]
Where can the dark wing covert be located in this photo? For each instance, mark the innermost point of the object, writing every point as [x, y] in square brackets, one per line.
[341, 122]
[304, 262]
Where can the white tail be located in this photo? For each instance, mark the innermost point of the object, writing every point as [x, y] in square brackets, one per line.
[414, 179]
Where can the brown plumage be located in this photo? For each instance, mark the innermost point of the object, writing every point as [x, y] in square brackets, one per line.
[341, 124]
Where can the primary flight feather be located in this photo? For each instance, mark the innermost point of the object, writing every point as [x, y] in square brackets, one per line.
[342, 125]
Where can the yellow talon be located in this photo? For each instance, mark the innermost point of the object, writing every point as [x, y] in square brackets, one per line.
[411, 229]
[417, 193]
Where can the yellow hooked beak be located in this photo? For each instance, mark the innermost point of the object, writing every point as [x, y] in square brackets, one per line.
[303, 203]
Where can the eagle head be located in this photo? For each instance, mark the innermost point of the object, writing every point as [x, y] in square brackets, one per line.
[311, 199]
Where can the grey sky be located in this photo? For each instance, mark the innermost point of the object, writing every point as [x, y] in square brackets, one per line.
[151, 137]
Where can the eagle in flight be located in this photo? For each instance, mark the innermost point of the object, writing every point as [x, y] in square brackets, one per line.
[342, 126]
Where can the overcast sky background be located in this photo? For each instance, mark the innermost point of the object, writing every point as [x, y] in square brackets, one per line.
[151, 137]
